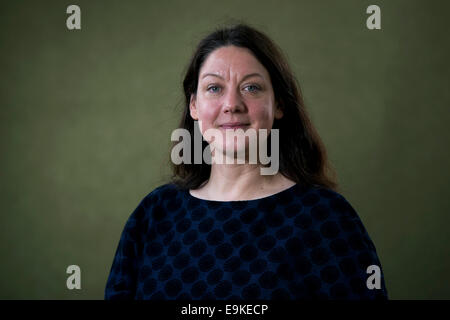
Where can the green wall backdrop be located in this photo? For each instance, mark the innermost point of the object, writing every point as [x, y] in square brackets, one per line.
[86, 117]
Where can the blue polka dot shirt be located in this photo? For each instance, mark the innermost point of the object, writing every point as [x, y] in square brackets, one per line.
[301, 243]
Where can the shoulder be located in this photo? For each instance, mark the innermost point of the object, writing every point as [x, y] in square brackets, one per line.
[151, 206]
[329, 215]
[162, 193]
[324, 203]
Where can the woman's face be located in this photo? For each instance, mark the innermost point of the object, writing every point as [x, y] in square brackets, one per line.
[233, 87]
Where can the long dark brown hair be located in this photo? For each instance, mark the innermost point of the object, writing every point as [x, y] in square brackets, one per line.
[302, 154]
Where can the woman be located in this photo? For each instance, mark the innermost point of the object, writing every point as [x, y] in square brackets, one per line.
[227, 231]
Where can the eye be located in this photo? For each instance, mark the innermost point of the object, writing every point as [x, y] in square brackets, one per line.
[252, 88]
[215, 89]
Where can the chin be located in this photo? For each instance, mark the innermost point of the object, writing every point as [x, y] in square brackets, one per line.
[234, 149]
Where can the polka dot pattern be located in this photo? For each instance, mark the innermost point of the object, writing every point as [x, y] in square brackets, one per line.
[301, 243]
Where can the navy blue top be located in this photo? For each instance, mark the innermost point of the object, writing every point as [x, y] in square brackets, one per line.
[300, 243]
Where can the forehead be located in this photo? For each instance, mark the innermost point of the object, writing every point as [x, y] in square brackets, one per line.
[232, 59]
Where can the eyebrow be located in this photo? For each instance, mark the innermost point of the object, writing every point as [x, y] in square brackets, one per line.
[245, 77]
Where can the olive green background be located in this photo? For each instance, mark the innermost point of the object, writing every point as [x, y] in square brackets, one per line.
[86, 118]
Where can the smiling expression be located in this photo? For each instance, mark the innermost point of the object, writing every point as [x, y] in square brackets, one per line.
[234, 91]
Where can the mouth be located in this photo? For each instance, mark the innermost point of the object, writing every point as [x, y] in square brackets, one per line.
[234, 125]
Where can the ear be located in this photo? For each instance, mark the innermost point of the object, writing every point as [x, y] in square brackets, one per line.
[278, 112]
[193, 107]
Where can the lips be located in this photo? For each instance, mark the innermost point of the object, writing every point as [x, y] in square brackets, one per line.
[234, 125]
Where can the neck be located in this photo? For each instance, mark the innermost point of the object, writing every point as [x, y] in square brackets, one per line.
[230, 182]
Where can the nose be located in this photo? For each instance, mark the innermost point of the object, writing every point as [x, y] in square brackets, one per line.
[233, 102]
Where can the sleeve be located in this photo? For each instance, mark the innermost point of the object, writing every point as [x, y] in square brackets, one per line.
[356, 269]
[122, 280]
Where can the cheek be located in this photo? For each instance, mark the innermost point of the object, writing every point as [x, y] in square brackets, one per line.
[207, 114]
[262, 115]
